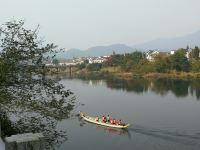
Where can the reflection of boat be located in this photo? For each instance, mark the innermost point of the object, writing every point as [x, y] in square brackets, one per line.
[113, 130]
[100, 122]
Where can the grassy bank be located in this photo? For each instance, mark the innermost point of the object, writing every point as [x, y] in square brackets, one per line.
[116, 72]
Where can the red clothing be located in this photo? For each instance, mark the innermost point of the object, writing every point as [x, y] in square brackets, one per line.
[97, 118]
[111, 121]
[114, 121]
[104, 119]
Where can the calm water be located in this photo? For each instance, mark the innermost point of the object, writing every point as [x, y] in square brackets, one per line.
[164, 114]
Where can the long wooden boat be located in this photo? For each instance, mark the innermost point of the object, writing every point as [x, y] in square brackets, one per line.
[100, 122]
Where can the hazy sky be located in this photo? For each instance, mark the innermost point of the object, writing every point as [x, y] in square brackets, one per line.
[85, 23]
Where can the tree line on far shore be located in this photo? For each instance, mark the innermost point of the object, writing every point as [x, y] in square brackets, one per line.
[162, 62]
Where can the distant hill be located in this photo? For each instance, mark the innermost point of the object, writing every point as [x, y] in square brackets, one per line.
[171, 43]
[70, 53]
[95, 51]
[163, 44]
[107, 50]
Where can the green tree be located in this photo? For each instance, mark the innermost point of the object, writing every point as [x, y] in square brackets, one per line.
[117, 60]
[135, 56]
[128, 66]
[24, 85]
[82, 66]
[180, 61]
[94, 67]
[86, 61]
[194, 54]
[182, 50]
[55, 61]
[162, 63]
[195, 65]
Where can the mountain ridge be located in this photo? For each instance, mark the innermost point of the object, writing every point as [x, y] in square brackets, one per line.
[161, 44]
[192, 39]
[95, 51]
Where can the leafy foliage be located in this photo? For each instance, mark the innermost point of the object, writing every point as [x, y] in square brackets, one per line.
[55, 61]
[127, 62]
[24, 86]
[94, 67]
[162, 63]
[195, 65]
[195, 53]
[180, 61]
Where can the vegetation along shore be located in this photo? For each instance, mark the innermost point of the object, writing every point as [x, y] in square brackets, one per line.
[180, 63]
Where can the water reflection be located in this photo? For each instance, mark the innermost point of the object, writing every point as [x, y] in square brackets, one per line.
[177, 87]
[18, 117]
[180, 137]
[137, 85]
[161, 86]
[172, 136]
[112, 130]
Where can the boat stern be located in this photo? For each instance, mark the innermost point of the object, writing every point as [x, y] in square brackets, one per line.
[126, 126]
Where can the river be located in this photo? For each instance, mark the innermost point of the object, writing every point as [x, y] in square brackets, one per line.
[163, 113]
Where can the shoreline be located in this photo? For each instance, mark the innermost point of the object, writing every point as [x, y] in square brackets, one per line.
[118, 74]
[131, 75]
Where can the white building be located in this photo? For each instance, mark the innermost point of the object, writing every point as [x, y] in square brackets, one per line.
[150, 55]
[172, 52]
[98, 59]
[187, 54]
[49, 64]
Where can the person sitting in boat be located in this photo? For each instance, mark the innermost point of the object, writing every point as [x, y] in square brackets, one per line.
[111, 121]
[96, 118]
[108, 118]
[114, 121]
[120, 122]
[104, 119]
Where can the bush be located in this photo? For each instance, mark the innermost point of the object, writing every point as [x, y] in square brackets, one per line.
[94, 67]
[195, 65]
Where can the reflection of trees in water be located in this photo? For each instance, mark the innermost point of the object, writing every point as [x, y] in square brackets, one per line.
[195, 88]
[137, 85]
[179, 87]
[35, 116]
[198, 93]
[160, 86]
[34, 124]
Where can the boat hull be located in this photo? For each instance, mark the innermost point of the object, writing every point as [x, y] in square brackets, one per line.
[100, 122]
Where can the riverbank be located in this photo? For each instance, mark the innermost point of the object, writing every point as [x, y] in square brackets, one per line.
[115, 72]
[118, 73]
